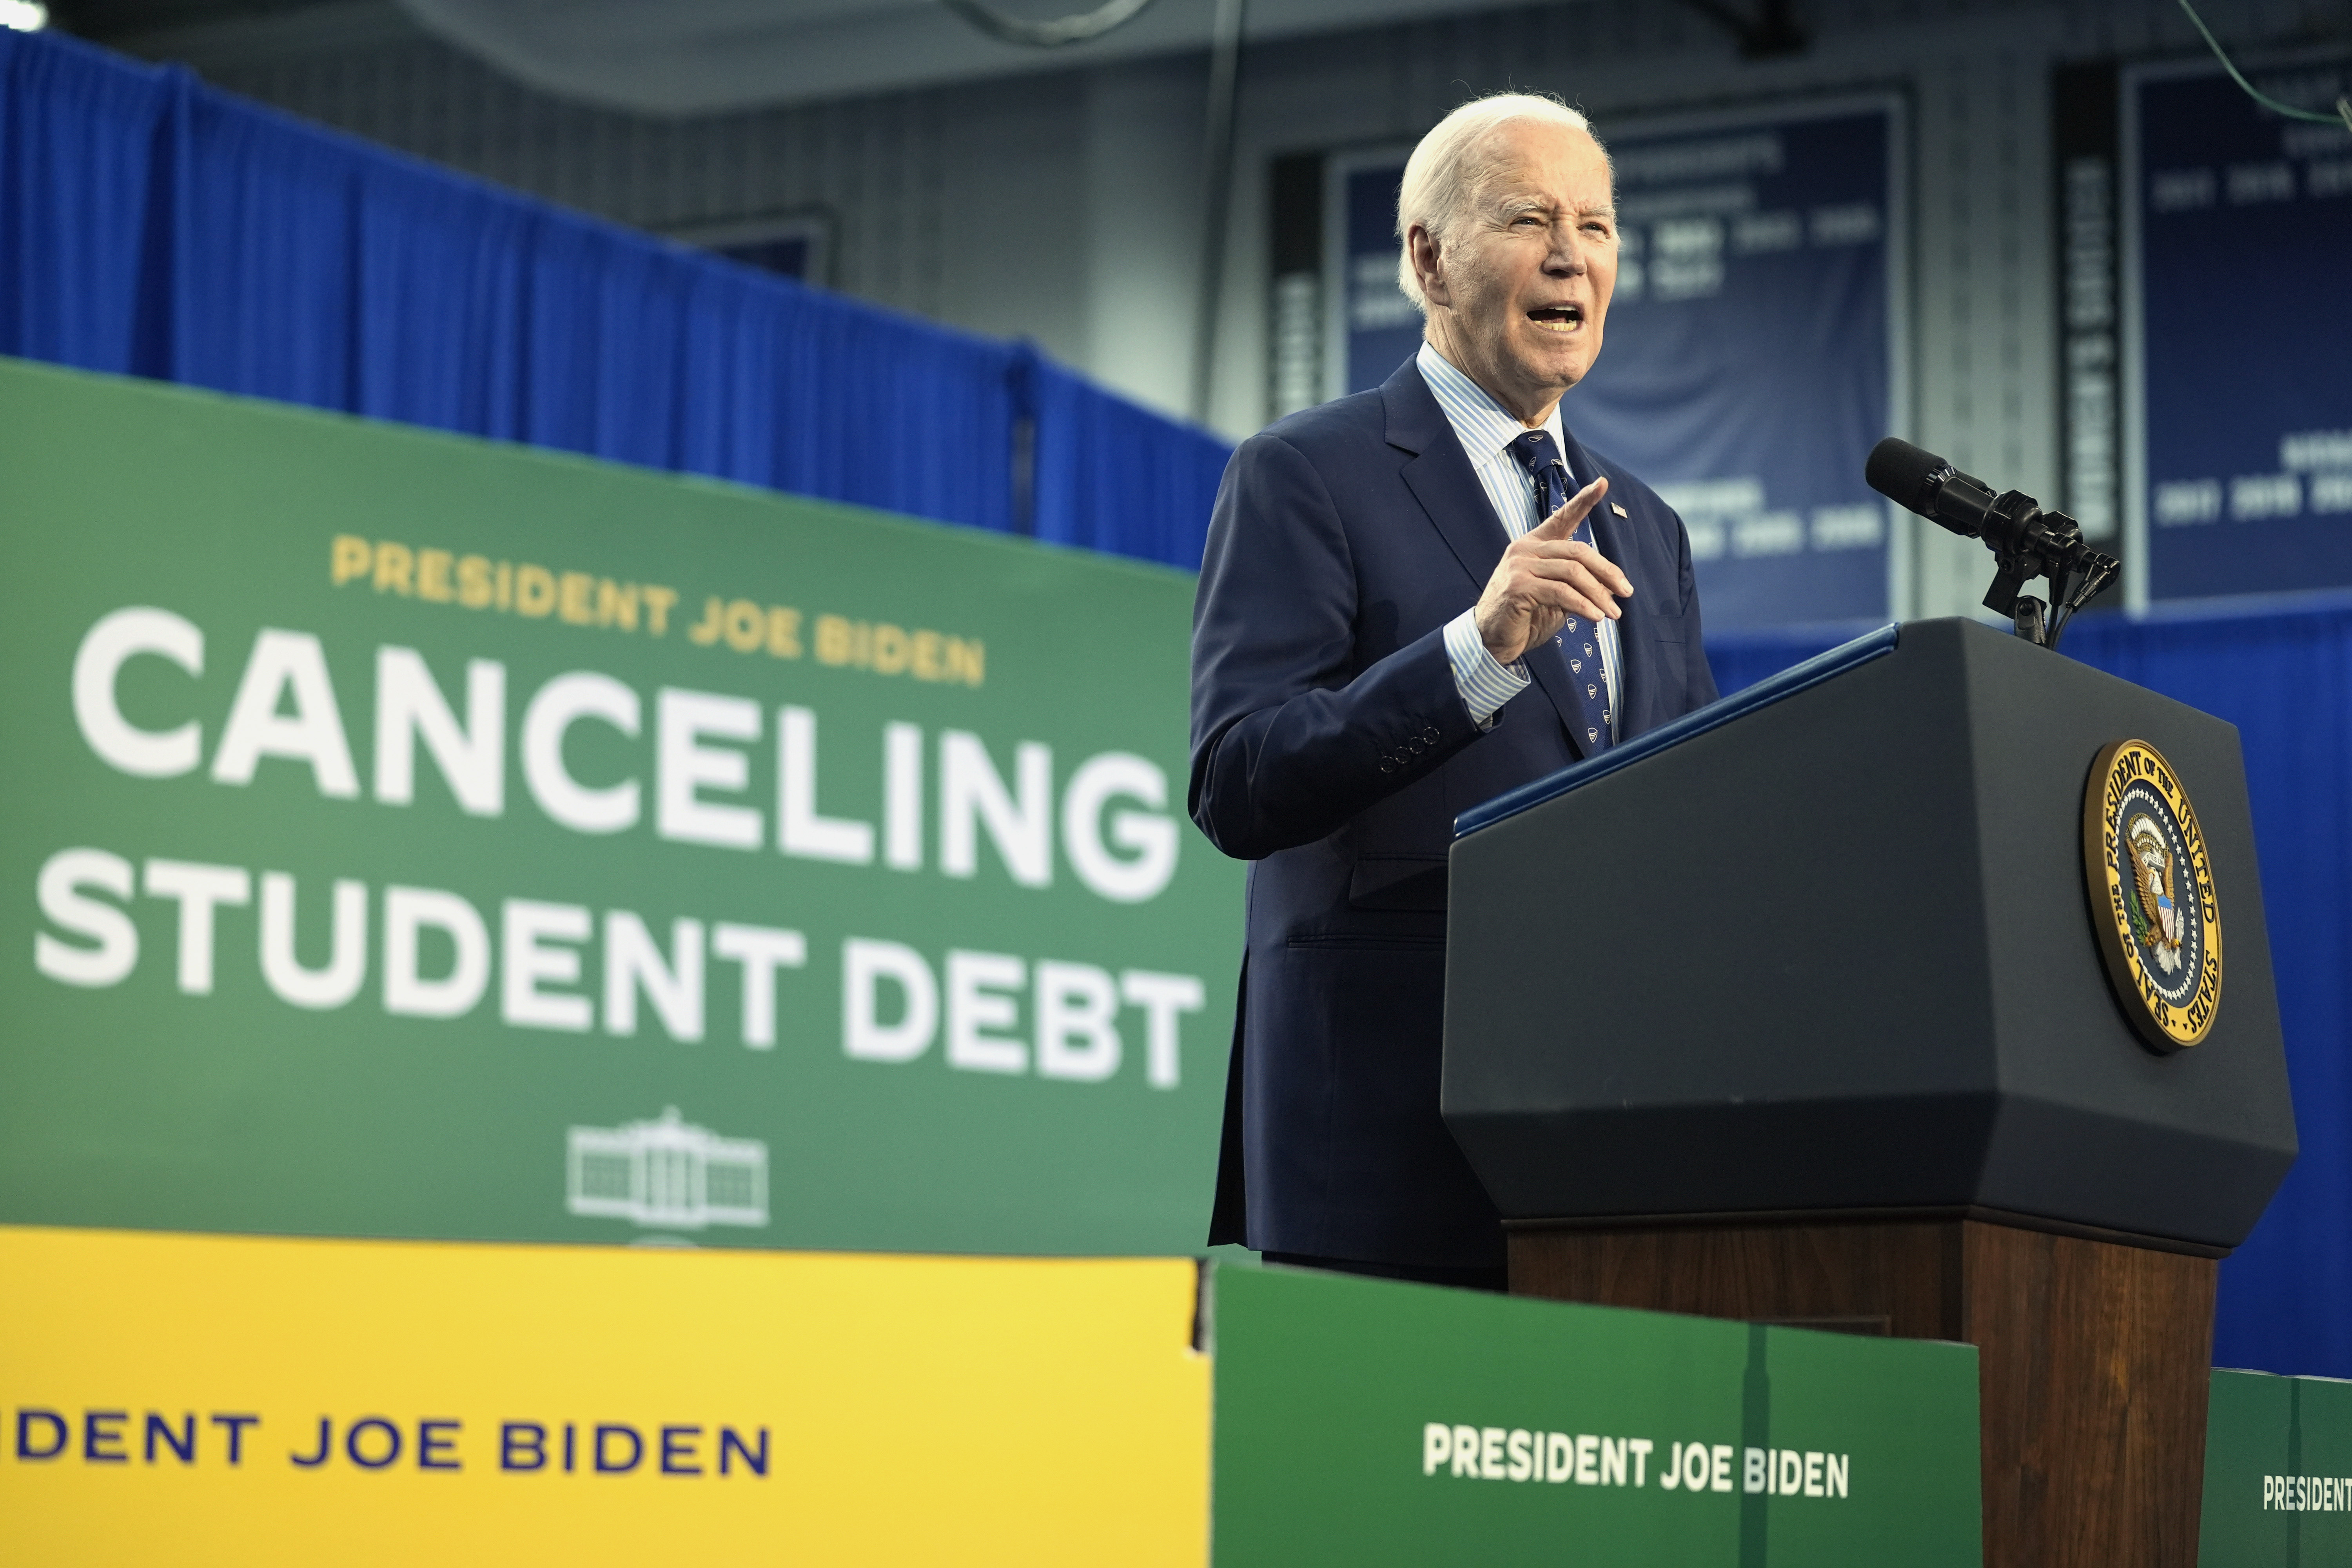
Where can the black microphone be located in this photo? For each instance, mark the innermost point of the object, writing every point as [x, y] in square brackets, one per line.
[1919, 480]
[2026, 541]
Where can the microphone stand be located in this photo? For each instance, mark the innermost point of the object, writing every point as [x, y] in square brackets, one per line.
[2037, 544]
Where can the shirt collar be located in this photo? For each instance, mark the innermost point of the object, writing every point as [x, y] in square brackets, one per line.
[1483, 425]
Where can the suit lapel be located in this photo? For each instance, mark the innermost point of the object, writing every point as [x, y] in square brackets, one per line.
[1440, 478]
[1439, 475]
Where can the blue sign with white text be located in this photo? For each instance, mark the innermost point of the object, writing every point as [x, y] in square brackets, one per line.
[2244, 332]
[1748, 364]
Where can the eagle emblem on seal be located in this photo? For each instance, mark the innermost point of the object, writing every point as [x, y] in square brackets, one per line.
[2156, 913]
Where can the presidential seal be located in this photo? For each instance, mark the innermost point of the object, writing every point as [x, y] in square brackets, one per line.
[2152, 900]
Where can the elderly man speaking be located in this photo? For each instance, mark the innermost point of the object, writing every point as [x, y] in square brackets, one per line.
[1414, 599]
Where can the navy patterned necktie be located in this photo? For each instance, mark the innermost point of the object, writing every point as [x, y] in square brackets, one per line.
[1578, 640]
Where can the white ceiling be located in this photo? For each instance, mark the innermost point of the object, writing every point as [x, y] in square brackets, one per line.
[702, 56]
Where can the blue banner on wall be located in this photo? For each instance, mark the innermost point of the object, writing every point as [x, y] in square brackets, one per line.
[1753, 350]
[2239, 246]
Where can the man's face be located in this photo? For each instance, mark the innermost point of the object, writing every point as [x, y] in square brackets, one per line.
[1519, 293]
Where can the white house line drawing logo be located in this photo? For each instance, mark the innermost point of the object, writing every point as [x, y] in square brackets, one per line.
[670, 1175]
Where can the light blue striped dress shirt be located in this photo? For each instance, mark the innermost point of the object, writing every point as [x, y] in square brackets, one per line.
[1485, 430]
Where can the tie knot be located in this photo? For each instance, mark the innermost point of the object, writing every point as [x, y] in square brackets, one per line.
[1536, 450]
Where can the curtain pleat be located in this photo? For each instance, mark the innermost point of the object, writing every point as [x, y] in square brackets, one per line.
[151, 225]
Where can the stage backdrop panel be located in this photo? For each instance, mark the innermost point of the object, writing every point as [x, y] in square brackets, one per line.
[2278, 1472]
[1359, 1422]
[266, 1400]
[1754, 349]
[415, 835]
[260, 1402]
[2238, 332]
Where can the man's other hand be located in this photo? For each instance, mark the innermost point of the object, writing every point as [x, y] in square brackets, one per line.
[1544, 577]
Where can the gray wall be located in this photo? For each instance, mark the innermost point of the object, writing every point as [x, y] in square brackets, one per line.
[1063, 206]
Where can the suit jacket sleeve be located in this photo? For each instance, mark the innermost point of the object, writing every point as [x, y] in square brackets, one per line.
[1295, 729]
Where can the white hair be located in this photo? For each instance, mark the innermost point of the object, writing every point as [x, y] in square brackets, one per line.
[1446, 171]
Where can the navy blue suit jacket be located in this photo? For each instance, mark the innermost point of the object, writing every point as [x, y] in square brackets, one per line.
[1331, 749]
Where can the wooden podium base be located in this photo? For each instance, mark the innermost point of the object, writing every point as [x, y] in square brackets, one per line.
[2094, 1346]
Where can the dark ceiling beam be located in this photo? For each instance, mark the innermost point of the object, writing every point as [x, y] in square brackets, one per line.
[104, 20]
[1771, 30]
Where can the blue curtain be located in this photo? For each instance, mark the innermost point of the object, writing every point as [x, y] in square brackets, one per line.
[151, 225]
[2282, 675]
[1098, 457]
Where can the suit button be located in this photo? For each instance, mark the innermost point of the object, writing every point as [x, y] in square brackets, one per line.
[1431, 735]
[1414, 747]
[1387, 766]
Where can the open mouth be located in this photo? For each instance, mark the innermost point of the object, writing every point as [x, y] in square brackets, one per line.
[1558, 317]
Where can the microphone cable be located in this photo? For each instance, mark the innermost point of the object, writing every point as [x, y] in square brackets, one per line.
[2343, 105]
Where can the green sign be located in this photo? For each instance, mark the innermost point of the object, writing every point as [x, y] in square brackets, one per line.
[2278, 1472]
[1358, 1421]
[414, 836]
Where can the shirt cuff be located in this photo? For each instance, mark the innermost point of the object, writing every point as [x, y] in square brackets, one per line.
[1484, 684]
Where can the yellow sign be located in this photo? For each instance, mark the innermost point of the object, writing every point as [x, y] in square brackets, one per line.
[200, 1399]
[2151, 884]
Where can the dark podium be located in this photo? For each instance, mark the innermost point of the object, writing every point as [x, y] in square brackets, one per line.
[1796, 1011]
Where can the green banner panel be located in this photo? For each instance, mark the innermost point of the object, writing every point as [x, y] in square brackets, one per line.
[1359, 1421]
[2278, 1472]
[416, 835]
